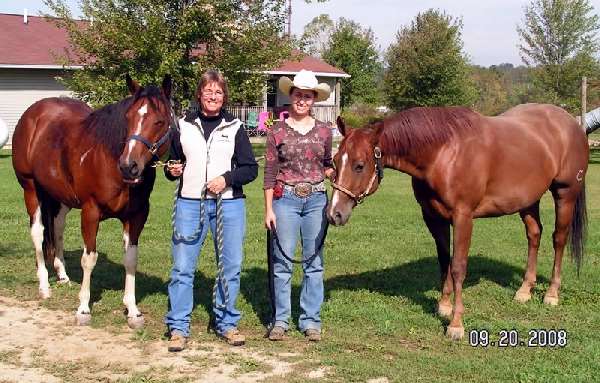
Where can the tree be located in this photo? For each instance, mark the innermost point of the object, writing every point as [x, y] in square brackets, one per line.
[316, 35]
[150, 38]
[426, 66]
[559, 39]
[492, 95]
[352, 49]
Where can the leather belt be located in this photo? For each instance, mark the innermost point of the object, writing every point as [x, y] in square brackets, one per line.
[304, 189]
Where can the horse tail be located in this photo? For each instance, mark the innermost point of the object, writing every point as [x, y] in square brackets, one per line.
[49, 208]
[579, 229]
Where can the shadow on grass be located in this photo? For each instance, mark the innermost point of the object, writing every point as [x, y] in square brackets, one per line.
[412, 280]
[108, 275]
[5, 155]
[254, 286]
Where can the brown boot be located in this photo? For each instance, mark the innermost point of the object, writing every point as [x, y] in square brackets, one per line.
[313, 335]
[233, 337]
[277, 333]
[177, 342]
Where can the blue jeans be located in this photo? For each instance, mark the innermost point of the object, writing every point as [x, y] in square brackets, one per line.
[304, 216]
[185, 257]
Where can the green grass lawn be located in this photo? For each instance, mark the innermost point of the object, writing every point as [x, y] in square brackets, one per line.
[381, 289]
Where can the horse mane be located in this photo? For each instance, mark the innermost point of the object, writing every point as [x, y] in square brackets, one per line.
[108, 125]
[416, 129]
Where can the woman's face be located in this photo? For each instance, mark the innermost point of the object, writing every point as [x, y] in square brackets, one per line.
[211, 99]
[302, 101]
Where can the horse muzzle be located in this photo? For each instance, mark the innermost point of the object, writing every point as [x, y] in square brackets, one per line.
[131, 172]
[337, 217]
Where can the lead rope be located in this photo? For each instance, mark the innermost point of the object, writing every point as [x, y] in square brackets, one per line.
[220, 268]
[194, 236]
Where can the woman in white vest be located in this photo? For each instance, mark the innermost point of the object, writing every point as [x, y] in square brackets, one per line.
[216, 158]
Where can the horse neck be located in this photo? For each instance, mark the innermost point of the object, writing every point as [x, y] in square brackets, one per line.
[414, 162]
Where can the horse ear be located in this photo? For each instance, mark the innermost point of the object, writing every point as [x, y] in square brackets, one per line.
[377, 130]
[167, 84]
[132, 85]
[341, 125]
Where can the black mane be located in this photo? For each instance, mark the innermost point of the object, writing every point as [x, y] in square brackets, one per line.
[108, 125]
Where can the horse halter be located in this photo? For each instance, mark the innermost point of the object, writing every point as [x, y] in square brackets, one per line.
[378, 173]
[154, 147]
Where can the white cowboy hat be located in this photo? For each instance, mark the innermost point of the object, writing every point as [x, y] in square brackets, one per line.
[305, 79]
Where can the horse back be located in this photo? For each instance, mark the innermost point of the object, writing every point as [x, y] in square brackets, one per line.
[548, 130]
[42, 141]
[510, 160]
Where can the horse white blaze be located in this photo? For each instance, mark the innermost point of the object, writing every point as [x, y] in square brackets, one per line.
[59, 229]
[88, 261]
[335, 196]
[84, 156]
[37, 236]
[130, 263]
[138, 129]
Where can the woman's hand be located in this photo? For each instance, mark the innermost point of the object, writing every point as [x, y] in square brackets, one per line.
[330, 173]
[270, 220]
[216, 185]
[176, 170]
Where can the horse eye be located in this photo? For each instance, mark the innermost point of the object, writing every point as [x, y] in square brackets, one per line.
[359, 167]
[159, 123]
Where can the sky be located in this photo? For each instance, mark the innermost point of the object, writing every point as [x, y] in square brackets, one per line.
[489, 26]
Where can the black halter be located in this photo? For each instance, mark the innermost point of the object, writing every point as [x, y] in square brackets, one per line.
[154, 147]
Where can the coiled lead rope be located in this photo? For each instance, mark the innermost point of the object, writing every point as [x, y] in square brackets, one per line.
[220, 267]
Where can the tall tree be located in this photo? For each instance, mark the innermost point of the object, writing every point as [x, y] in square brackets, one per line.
[426, 65]
[352, 49]
[150, 38]
[316, 35]
[559, 39]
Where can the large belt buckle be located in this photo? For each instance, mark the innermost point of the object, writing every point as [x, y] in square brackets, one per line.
[302, 189]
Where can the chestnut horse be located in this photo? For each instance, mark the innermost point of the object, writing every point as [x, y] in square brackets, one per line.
[67, 156]
[466, 166]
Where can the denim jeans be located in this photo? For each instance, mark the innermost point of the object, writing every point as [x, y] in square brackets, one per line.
[304, 216]
[185, 257]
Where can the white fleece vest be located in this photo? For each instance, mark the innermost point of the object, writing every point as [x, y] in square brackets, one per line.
[206, 160]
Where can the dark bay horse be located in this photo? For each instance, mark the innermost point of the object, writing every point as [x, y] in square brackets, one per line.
[466, 166]
[68, 156]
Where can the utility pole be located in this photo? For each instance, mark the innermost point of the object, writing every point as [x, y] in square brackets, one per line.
[289, 18]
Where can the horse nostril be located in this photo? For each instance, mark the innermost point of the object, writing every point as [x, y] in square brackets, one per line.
[134, 169]
[123, 167]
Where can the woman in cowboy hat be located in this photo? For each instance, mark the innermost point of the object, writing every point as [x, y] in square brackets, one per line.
[298, 158]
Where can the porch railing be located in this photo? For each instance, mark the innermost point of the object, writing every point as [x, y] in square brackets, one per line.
[325, 113]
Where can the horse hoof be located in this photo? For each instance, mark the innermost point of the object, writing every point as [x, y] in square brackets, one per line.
[455, 333]
[445, 311]
[135, 323]
[552, 301]
[82, 319]
[64, 281]
[44, 294]
[522, 297]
